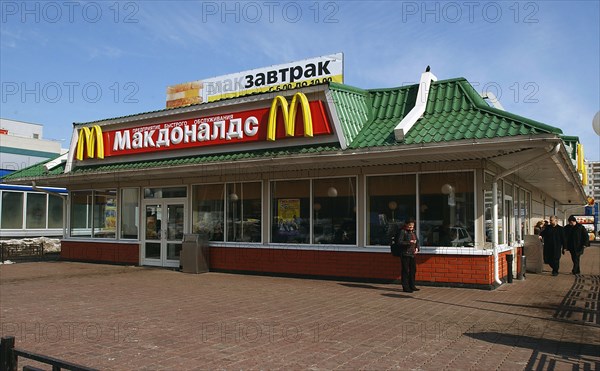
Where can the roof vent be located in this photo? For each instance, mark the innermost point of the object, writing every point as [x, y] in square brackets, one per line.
[57, 161]
[493, 100]
[419, 109]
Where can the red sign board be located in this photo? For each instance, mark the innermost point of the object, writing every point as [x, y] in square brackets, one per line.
[226, 129]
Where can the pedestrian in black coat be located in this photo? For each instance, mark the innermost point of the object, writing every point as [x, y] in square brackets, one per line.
[577, 239]
[409, 247]
[553, 237]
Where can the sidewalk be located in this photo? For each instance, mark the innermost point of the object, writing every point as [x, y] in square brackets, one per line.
[135, 318]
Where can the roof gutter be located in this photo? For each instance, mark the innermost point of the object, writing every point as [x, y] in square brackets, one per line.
[503, 174]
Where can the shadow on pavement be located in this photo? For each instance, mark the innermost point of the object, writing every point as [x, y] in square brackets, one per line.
[547, 353]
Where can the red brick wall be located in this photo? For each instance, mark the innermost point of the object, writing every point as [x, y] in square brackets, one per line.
[474, 270]
[452, 269]
[102, 252]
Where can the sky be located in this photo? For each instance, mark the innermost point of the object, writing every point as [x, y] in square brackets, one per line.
[68, 61]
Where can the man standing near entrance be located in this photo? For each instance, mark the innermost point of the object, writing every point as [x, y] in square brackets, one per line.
[577, 239]
[553, 237]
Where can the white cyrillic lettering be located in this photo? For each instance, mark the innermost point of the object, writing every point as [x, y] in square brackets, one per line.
[235, 129]
[137, 141]
[122, 140]
[189, 133]
[203, 132]
[251, 126]
[163, 138]
[219, 130]
[176, 135]
[148, 141]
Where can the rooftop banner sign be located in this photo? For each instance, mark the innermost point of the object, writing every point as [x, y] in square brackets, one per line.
[286, 76]
[281, 120]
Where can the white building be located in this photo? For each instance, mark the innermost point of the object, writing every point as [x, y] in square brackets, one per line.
[25, 211]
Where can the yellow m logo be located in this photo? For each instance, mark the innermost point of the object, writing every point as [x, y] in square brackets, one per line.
[88, 139]
[289, 116]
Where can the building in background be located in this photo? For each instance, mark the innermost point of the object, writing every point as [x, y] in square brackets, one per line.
[593, 187]
[27, 211]
[593, 192]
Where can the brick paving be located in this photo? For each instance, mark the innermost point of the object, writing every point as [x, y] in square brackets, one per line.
[137, 318]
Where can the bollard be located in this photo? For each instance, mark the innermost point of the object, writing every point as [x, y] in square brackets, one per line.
[509, 260]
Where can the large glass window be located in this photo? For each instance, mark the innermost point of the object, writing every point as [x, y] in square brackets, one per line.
[390, 201]
[55, 211]
[510, 213]
[207, 215]
[12, 210]
[94, 213]
[488, 208]
[447, 209]
[501, 211]
[81, 214]
[129, 211]
[105, 213]
[290, 211]
[244, 208]
[334, 209]
[36, 210]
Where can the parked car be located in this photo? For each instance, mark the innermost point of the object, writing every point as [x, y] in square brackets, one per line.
[460, 237]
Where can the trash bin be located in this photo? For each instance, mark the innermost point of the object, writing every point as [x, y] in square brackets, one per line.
[194, 256]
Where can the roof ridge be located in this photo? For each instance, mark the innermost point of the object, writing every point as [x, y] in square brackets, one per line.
[479, 103]
[347, 88]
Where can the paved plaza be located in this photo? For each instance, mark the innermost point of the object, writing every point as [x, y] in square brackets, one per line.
[139, 318]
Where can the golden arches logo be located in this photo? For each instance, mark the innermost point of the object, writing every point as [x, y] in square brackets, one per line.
[289, 116]
[90, 139]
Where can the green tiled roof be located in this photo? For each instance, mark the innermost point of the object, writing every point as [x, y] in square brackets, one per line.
[39, 170]
[454, 111]
[36, 171]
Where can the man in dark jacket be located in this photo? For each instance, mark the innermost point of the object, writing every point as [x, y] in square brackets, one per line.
[577, 239]
[554, 241]
[409, 246]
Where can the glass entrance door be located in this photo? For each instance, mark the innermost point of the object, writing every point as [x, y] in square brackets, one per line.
[163, 233]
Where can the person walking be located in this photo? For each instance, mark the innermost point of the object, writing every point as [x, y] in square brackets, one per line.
[553, 238]
[409, 246]
[577, 239]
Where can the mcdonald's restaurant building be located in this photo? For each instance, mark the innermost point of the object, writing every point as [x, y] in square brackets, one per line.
[311, 181]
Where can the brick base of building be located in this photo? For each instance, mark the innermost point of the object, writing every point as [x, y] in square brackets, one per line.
[115, 253]
[432, 269]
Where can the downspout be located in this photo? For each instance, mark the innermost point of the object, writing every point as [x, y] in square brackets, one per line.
[64, 200]
[503, 174]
